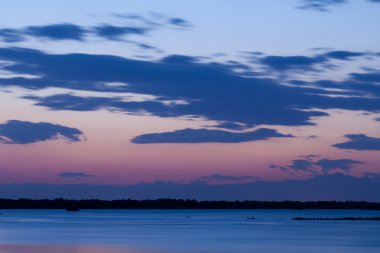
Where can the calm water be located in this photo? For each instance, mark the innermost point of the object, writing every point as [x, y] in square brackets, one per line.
[192, 231]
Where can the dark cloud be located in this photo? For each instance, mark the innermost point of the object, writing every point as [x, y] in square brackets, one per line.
[320, 5]
[358, 84]
[283, 63]
[205, 135]
[221, 177]
[372, 77]
[341, 164]
[112, 32]
[302, 63]
[11, 35]
[76, 103]
[316, 167]
[297, 165]
[209, 90]
[342, 55]
[179, 22]
[180, 60]
[359, 142]
[24, 132]
[74, 175]
[71, 32]
[302, 165]
[56, 32]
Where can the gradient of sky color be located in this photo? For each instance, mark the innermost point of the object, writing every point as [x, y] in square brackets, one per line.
[307, 52]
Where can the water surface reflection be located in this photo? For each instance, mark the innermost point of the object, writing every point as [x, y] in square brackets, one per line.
[60, 249]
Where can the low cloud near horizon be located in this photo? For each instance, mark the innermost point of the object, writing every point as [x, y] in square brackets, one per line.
[322, 187]
[227, 178]
[76, 175]
[314, 165]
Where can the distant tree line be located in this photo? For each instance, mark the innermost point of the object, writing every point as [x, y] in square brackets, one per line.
[179, 204]
[351, 218]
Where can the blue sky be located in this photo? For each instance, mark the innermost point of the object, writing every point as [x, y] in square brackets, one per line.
[219, 26]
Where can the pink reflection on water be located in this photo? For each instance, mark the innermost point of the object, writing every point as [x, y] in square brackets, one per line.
[60, 249]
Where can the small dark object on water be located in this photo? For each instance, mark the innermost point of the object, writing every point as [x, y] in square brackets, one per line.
[250, 218]
[338, 218]
[72, 209]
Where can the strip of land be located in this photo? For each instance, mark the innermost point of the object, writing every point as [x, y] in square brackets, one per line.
[338, 218]
[59, 249]
[179, 204]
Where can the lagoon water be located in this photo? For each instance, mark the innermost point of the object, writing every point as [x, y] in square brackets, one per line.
[186, 231]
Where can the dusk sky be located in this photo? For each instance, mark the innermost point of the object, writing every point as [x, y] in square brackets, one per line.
[220, 91]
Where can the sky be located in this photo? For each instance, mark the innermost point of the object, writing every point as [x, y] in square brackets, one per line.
[220, 92]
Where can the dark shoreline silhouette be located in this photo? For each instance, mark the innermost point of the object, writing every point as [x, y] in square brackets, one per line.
[180, 204]
[338, 218]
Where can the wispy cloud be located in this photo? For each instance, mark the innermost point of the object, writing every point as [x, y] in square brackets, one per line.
[320, 5]
[107, 31]
[325, 5]
[314, 166]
